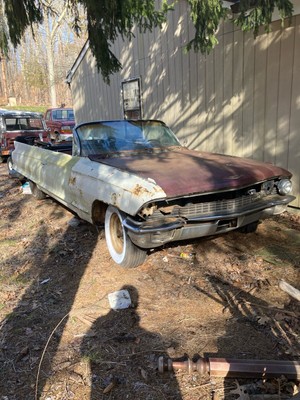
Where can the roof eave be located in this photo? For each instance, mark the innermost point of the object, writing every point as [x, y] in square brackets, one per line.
[77, 62]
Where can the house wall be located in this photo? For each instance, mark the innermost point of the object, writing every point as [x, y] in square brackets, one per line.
[242, 99]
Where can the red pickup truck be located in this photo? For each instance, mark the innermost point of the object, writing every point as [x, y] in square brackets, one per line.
[60, 123]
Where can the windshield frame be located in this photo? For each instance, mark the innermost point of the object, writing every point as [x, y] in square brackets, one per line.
[111, 138]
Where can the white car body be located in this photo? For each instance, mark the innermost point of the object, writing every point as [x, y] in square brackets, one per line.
[148, 190]
[77, 182]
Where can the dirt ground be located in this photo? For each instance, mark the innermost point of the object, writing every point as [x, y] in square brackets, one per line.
[214, 297]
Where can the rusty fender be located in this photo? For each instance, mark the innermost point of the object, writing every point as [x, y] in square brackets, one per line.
[225, 367]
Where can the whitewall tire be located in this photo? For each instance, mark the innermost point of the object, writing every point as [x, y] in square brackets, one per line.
[120, 247]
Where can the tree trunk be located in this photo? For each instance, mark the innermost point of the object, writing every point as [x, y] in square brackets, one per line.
[4, 77]
[51, 76]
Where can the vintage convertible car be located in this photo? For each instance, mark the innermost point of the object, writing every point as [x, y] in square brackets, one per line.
[148, 190]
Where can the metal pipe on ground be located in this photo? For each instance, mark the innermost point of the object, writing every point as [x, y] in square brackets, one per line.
[224, 367]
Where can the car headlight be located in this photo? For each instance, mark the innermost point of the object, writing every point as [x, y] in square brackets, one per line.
[284, 186]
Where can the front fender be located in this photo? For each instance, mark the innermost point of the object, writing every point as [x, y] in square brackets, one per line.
[95, 181]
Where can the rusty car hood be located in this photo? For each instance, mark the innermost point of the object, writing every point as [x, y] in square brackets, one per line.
[182, 171]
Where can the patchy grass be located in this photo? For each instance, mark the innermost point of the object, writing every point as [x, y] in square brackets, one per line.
[40, 109]
[9, 242]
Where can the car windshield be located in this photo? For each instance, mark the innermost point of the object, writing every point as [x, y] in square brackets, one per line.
[119, 136]
[63, 115]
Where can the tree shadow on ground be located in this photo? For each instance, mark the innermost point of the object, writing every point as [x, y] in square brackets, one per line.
[122, 357]
[55, 274]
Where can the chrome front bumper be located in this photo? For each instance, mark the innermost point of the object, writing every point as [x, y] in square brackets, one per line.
[158, 233]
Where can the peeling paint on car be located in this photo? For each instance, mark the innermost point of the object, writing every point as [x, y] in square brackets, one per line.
[139, 190]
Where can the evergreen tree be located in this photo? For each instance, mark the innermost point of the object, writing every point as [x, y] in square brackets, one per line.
[106, 19]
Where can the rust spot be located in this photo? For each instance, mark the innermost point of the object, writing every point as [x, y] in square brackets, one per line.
[114, 198]
[139, 190]
[72, 180]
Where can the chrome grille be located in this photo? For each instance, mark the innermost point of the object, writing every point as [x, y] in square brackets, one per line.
[231, 205]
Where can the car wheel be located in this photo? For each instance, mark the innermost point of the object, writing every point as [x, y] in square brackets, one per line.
[120, 247]
[10, 166]
[36, 192]
[12, 172]
[250, 228]
[2, 159]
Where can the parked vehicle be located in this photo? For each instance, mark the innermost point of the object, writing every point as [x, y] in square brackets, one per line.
[148, 190]
[60, 122]
[19, 123]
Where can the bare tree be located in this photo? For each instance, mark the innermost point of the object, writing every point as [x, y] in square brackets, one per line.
[38, 66]
[55, 17]
[3, 86]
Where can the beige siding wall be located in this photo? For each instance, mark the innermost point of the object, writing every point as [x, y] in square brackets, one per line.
[243, 99]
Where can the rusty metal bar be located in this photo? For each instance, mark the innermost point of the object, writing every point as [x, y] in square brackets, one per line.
[223, 367]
